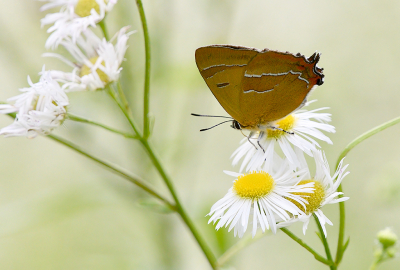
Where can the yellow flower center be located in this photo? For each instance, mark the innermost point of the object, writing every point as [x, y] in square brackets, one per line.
[286, 124]
[35, 103]
[85, 70]
[83, 7]
[254, 185]
[314, 199]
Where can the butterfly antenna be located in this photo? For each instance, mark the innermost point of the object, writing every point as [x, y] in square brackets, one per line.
[204, 129]
[203, 115]
[288, 132]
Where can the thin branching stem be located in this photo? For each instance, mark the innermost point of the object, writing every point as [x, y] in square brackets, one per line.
[325, 243]
[146, 97]
[203, 245]
[121, 172]
[207, 251]
[119, 97]
[121, 100]
[116, 96]
[87, 121]
[124, 100]
[317, 256]
[340, 246]
[379, 259]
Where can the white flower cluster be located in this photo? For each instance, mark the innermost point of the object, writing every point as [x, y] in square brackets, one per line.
[74, 17]
[96, 62]
[278, 190]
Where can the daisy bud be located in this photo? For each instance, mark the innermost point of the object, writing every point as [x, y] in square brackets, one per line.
[387, 238]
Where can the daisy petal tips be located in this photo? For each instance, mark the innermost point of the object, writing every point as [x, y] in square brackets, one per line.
[258, 199]
[39, 109]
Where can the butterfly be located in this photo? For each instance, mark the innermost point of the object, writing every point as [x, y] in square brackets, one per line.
[258, 87]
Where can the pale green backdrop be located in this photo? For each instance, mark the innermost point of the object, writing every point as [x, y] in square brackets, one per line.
[59, 210]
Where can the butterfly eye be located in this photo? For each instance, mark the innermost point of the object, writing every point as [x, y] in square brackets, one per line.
[236, 125]
[320, 82]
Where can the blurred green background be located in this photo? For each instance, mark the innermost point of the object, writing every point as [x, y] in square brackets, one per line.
[59, 210]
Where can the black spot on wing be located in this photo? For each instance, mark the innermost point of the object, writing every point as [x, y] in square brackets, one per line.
[220, 85]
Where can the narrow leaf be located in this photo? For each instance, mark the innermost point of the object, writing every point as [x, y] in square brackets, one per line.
[346, 244]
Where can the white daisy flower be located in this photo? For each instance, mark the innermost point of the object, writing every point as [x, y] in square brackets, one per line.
[325, 192]
[97, 62]
[39, 109]
[306, 125]
[74, 17]
[261, 197]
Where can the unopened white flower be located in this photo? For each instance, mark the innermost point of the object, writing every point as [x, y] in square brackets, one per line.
[306, 125]
[74, 17]
[39, 109]
[97, 61]
[260, 198]
[325, 191]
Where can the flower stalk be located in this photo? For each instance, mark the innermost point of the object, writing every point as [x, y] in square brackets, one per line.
[119, 97]
[128, 176]
[146, 96]
[317, 256]
[340, 245]
[90, 122]
[325, 243]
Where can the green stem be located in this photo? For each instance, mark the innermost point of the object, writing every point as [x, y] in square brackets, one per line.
[375, 264]
[307, 247]
[342, 223]
[325, 243]
[381, 258]
[124, 100]
[146, 132]
[124, 110]
[236, 248]
[87, 121]
[365, 136]
[134, 179]
[146, 99]
[207, 251]
[347, 149]
[103, 28]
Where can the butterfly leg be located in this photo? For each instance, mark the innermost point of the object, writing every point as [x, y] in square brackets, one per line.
[248, 138]
[260, 136]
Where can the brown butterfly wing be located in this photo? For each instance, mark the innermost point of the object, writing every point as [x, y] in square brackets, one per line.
[275, 84]
[257, 87]
[222, 68]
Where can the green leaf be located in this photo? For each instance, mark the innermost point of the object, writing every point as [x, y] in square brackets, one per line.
[319, 235]
[346, 244]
